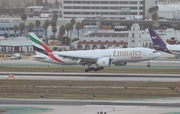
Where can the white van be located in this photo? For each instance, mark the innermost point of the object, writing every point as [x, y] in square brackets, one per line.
[15, 56]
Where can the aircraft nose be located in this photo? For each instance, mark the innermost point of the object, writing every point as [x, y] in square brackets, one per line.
[158, 54]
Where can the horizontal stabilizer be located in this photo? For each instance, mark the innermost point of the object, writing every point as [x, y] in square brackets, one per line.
[37, 57]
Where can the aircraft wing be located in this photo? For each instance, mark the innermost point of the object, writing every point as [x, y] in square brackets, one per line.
[87, 58]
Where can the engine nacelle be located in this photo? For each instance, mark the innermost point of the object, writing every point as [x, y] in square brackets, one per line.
[120, 63]
[104, 62]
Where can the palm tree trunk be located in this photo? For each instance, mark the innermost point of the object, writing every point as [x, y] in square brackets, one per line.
[78, 34]
[46, 37]
[37, 31]
[24, 29]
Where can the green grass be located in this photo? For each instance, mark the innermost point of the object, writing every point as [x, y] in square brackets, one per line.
[81, 69]
[104, 90]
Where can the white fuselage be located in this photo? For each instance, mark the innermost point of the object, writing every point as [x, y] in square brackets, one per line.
[117, 55]
[174, 49]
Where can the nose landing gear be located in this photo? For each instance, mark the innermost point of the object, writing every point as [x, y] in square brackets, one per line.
[148, 65]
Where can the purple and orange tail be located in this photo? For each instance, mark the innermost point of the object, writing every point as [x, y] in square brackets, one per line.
[156, 39]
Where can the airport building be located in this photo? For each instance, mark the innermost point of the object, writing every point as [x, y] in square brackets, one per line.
[106, 38]
[106, 8]
[9, 29]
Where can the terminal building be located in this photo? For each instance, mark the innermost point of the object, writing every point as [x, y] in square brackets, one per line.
[106, 8]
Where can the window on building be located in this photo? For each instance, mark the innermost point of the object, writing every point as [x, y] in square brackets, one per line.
[113, 2]
[104, 13]
[55, 12]
[76, 12]
[132, 2]
[11, 28]
[104, 7]
[133, 13]
[76, 2]
[113, 13]
[140, 13]
[95, 13]
[141, 2]
[67, 7]
[86, 7]
[104, 2]
[140, 8]
[123, 2]
[86, 13]
[133, 34]
[94, 7]
[94, 2]
[86, 2]
[114, 8]
[133, 8]
[67, 12]
[133, 41]
[67, 2]
[2, 29]
[76, 7]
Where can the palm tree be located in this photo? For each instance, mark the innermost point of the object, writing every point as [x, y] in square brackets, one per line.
[37, 24]
[54, 30]
[67, 27]
[15, 28]
[73, 21]
[24, 17]
[5, 35]
[71, 28]
[61, 33]
[78, 26]
[55, 16]
[30, 27]
[154, 16]
[46, 25]
[65, 40]
[21, 27]
[82, 26]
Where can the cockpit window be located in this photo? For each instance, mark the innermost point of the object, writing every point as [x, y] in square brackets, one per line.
[155, 51]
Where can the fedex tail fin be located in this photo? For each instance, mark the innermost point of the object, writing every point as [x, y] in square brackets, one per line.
[39, 46]
[156, 39]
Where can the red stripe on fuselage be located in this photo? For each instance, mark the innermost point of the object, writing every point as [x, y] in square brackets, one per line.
[49, 51]
[54, 58]
[46, 48]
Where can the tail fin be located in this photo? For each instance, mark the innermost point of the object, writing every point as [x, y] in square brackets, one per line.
[156, 39]
[39, 46]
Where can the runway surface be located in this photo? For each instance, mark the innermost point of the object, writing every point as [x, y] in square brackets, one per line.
[92, 76]
[92, 107]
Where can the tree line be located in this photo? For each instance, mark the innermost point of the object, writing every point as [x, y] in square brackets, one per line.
[68, 28]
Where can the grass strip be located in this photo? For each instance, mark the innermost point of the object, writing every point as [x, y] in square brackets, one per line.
[100, 90]
[71, 69]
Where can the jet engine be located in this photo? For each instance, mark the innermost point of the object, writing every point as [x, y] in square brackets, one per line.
[120, 63]
[104, 62]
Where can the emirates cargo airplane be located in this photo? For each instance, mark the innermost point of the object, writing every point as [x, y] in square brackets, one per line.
[100, 58]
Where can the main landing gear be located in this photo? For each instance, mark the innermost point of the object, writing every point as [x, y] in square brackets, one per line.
[95, 69]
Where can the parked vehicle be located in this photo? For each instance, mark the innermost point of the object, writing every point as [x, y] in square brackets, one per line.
[15, 56]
